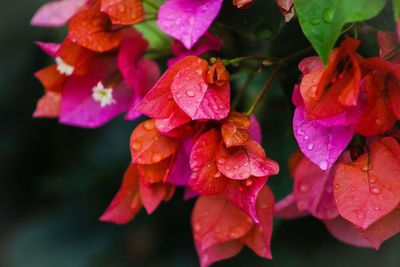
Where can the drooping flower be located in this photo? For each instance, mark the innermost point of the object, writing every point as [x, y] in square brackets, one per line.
[186, 94]
[187, 20]
[221, 230]
[235, 167]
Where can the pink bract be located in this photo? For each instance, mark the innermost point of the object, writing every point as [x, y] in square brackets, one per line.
[187, 20]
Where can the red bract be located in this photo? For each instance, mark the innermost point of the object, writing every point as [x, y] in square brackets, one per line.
[93, 30]
[70, 58]
[134, 194]
[243, 183]
[185, 94]
[145, 182]
[287, 8]
[123, 12]
[313, 190]
[221, 230]
[327, 92]
[369, 188]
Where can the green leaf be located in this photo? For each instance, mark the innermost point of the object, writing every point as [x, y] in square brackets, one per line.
[396, 9]
[322, 21]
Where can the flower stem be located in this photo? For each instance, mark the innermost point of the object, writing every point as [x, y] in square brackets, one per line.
[243, 88]
[281, 62]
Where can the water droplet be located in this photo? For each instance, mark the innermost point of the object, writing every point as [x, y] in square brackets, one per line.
[310, 146]
[377, 208]
[197, 227]
[136, 146]
[375, 190]
[365, 168]
[328, 15]
[304, 187]
[249, 182]
[149, 125]
[190, 93]
[199, 72]
[217, 174]
[235, 232]
[324, 165]
[378, 122]
[306, 137]
[300, 132]
[337, 186]
[372, 179]
[156, 157]
[220, 161]
[315, 21]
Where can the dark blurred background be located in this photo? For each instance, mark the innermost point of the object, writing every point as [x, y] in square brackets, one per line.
[55, 181]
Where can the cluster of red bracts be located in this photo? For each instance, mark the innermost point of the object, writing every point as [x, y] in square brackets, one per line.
[348, 173]
[196, 143]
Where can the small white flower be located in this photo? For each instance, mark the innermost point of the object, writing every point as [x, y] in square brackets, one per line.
[63, 67]
[103, 95]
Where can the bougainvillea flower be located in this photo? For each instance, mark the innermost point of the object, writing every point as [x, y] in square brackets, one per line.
[208, 175]
[346, 232]
[124, 12]
[181, 171]
[369, 188]
[287, 8]
[313, 190]
[207, 43]
[321, 144]
[48, 106]
[221, 230]
[185, 94]
[328, 91]
[92, 29]
[373, 236]
[286, 208]
[70, 59]
[56, 13]
[134, 194]
[187, 20]
[378, 116]
[106, 91]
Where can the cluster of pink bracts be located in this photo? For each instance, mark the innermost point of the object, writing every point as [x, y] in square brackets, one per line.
[348, 173]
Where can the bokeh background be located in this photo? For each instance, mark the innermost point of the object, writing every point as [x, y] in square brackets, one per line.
[55, 181]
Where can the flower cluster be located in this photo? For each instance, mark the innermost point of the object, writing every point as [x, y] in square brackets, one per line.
[347, 173]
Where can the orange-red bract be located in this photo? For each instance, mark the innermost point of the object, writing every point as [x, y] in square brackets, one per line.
[148, 146]
[220, 230]
[91, 29]
[234, 129]
[126, 204]
[123, 12]
[369, 188]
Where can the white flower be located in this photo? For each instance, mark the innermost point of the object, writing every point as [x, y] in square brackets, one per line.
[103, 95]
[63, 67]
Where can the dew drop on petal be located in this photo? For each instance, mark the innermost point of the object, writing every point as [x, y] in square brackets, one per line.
[156, 157]
[372, 179]
[323, 165]
[217, 174]
[190, 93]
[149, 125]
[375, 190]
[310, 146]
[136, 146]
[197, 227]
